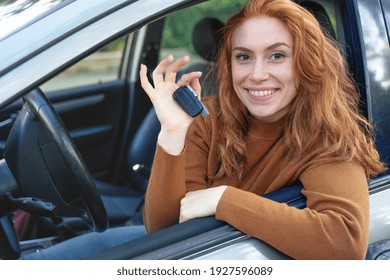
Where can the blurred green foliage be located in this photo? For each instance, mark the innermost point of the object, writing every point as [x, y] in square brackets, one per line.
[117, 45]
[178, 26]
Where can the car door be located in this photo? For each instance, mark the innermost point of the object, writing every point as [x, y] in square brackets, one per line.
[101, 102]
[374, 18]
[90, 99]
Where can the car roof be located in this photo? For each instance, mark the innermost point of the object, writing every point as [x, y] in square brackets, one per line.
[65, 33]
[16, 15]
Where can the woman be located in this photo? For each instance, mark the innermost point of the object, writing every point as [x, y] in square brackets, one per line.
[286, 111]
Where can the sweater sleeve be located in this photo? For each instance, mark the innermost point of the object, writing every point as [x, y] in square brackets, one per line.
[165, 190]
[173, 176]
[333, 226]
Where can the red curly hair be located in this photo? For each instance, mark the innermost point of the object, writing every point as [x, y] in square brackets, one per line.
[323, 121]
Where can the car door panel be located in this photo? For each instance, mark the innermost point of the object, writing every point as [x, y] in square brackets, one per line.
[93, 116]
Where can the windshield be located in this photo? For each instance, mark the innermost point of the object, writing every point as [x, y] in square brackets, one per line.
[15, 14]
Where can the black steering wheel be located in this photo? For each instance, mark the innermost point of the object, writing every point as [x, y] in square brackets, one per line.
[47, 165]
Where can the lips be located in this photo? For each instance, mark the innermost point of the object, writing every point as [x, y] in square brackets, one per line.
[261, 93]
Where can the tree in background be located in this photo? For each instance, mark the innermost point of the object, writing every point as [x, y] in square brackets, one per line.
[179, 26]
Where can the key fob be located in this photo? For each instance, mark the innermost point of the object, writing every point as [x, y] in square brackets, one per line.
[187, 98]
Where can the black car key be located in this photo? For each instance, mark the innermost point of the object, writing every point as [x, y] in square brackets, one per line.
[187, 98]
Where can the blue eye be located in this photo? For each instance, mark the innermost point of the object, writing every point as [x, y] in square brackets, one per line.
[278, 56]
[242, 57]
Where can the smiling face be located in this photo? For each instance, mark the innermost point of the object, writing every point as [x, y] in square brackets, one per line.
[262, 67]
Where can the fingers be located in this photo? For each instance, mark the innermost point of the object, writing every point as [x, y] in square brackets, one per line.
[195, 84]
[170, 68]
[166, 72]
[170, 75]
[200, 203]
[191, 79]
[158, 73]
[144, 80]
[188, 79]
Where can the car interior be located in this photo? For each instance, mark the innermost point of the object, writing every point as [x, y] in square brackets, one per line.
[116, 133]
[124, 204]
[123, 199]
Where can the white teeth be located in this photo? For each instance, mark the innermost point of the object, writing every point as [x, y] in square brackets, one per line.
[261, 92]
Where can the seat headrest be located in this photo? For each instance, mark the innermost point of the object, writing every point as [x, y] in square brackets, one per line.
[321, 15]
[206, 37]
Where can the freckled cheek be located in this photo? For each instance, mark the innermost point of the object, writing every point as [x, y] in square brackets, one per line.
[286, 77]
[239, 73]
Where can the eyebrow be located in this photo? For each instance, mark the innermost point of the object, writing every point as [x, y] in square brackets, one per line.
[273, 46]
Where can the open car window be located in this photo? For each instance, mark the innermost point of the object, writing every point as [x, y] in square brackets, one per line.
[100, 67]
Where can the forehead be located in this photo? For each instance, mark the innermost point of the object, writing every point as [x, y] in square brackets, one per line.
[261, 31]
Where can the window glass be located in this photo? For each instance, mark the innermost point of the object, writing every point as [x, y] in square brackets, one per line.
[100, 67]
[386, 11]
[177, 35]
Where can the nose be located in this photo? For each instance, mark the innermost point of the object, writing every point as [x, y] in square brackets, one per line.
[259, 72]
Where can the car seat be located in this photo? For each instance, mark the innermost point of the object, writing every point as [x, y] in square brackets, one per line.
[319, 12]
[124, 203]
[206, 37]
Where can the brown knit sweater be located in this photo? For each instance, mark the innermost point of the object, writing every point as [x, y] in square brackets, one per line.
[333, 226]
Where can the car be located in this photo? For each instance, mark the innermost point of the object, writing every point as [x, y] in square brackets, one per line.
[78, 133]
